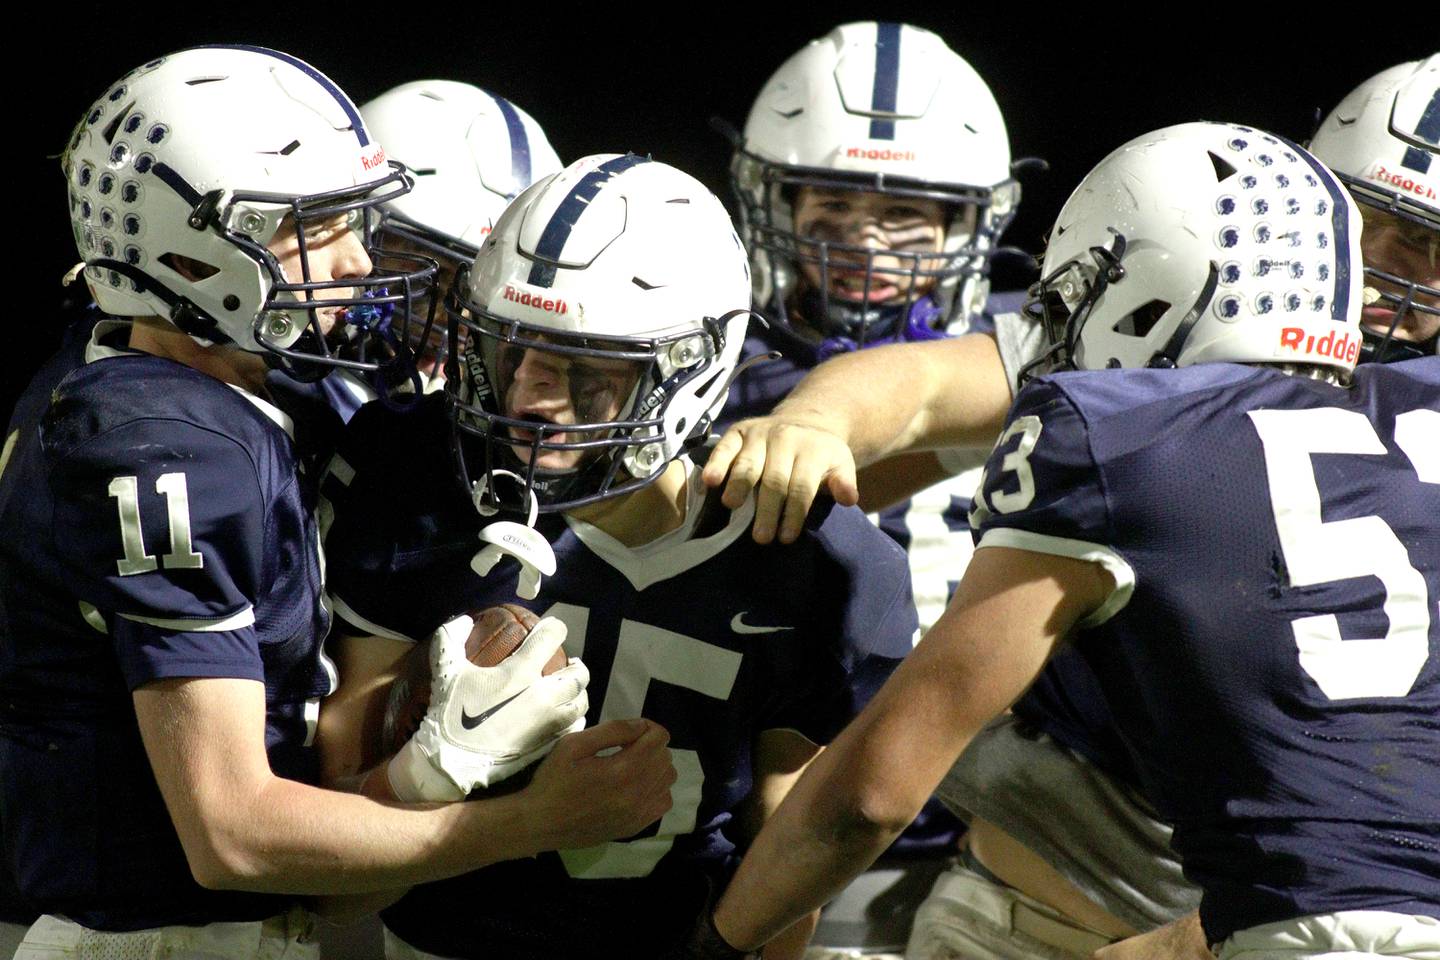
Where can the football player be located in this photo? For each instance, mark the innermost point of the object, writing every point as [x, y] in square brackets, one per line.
[1103, 840]
[874, 180]
[160, 579]
[471, 152]
[603, 320]
[1383, 141]
[1273, 676]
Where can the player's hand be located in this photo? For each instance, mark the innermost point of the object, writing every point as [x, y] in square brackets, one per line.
[486, 723]
[789, 460]
[604, 783]
[1181, 939]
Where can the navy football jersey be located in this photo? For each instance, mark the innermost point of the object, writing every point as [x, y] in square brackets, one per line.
[1271, 653]
[158, 524]
[703, 631]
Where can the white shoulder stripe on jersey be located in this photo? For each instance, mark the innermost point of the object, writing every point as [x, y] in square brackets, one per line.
[1117, 565]
[235, 621]
[342, 608]
[279, 417]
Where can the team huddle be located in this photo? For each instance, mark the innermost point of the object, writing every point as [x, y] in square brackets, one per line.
[416, 525]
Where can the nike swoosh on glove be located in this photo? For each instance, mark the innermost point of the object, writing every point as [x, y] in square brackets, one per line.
[487, 723]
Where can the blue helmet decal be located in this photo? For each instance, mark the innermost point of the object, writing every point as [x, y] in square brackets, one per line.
[519, 146]
[885, 93]
[552, 241]
[1429, 130]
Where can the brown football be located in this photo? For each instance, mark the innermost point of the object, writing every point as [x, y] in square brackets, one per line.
[498, 631]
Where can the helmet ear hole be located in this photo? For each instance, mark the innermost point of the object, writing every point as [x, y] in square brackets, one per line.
[1140, 321]
[188, 267]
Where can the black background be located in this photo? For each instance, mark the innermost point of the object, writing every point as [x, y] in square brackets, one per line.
[601, 78]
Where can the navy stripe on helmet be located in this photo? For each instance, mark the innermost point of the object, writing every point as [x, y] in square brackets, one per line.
[356, 124]
[519, 146]
[1340, 204]
[1429, 130]
[563, 220]
[885, 93]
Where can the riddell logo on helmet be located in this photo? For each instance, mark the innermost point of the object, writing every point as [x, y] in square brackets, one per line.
[376, 159]
[548, 304]
[1401, 181]
[870, 153]
[1344, 349]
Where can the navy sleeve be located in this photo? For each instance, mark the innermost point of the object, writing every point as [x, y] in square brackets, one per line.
[1041, 477]
[161, 523]
[1043, 489]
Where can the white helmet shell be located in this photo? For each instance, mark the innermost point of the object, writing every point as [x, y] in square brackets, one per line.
[201, 155]
[1206, 242]
[627, 251]
[885, 107]
[470, 152]
[1383, 139]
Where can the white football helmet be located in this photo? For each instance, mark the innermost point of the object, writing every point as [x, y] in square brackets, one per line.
[1204, 242]
[470, 153]
[885, 108]
[195, 160]
[627, 277]
[1383, 141]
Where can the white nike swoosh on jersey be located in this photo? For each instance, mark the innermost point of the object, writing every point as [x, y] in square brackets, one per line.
[740, 626]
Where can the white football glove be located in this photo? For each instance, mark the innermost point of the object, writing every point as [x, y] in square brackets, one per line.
[487, 723]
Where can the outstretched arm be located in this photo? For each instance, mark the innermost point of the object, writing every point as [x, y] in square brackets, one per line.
[857, 409]
[1010, 611]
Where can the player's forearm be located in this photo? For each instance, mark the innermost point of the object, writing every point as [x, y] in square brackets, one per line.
[805, 855]
[906, 397]
[293, 838]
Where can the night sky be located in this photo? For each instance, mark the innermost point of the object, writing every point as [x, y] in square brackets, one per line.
[599, 80]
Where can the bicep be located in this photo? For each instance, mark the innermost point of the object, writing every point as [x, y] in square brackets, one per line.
[206, 742]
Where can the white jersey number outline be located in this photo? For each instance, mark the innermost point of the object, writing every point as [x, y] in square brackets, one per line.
[126, 491]
[1318, 552]
[644, 653]
[1016, 462]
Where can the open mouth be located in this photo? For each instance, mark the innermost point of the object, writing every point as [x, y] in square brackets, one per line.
[851, 287]
[525, 439]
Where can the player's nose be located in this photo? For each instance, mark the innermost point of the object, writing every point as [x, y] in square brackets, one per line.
[349, 258]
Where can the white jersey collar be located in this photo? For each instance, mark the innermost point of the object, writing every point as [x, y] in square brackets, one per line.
[672, 553]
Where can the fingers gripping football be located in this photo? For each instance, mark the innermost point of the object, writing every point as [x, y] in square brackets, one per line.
[501, 694]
